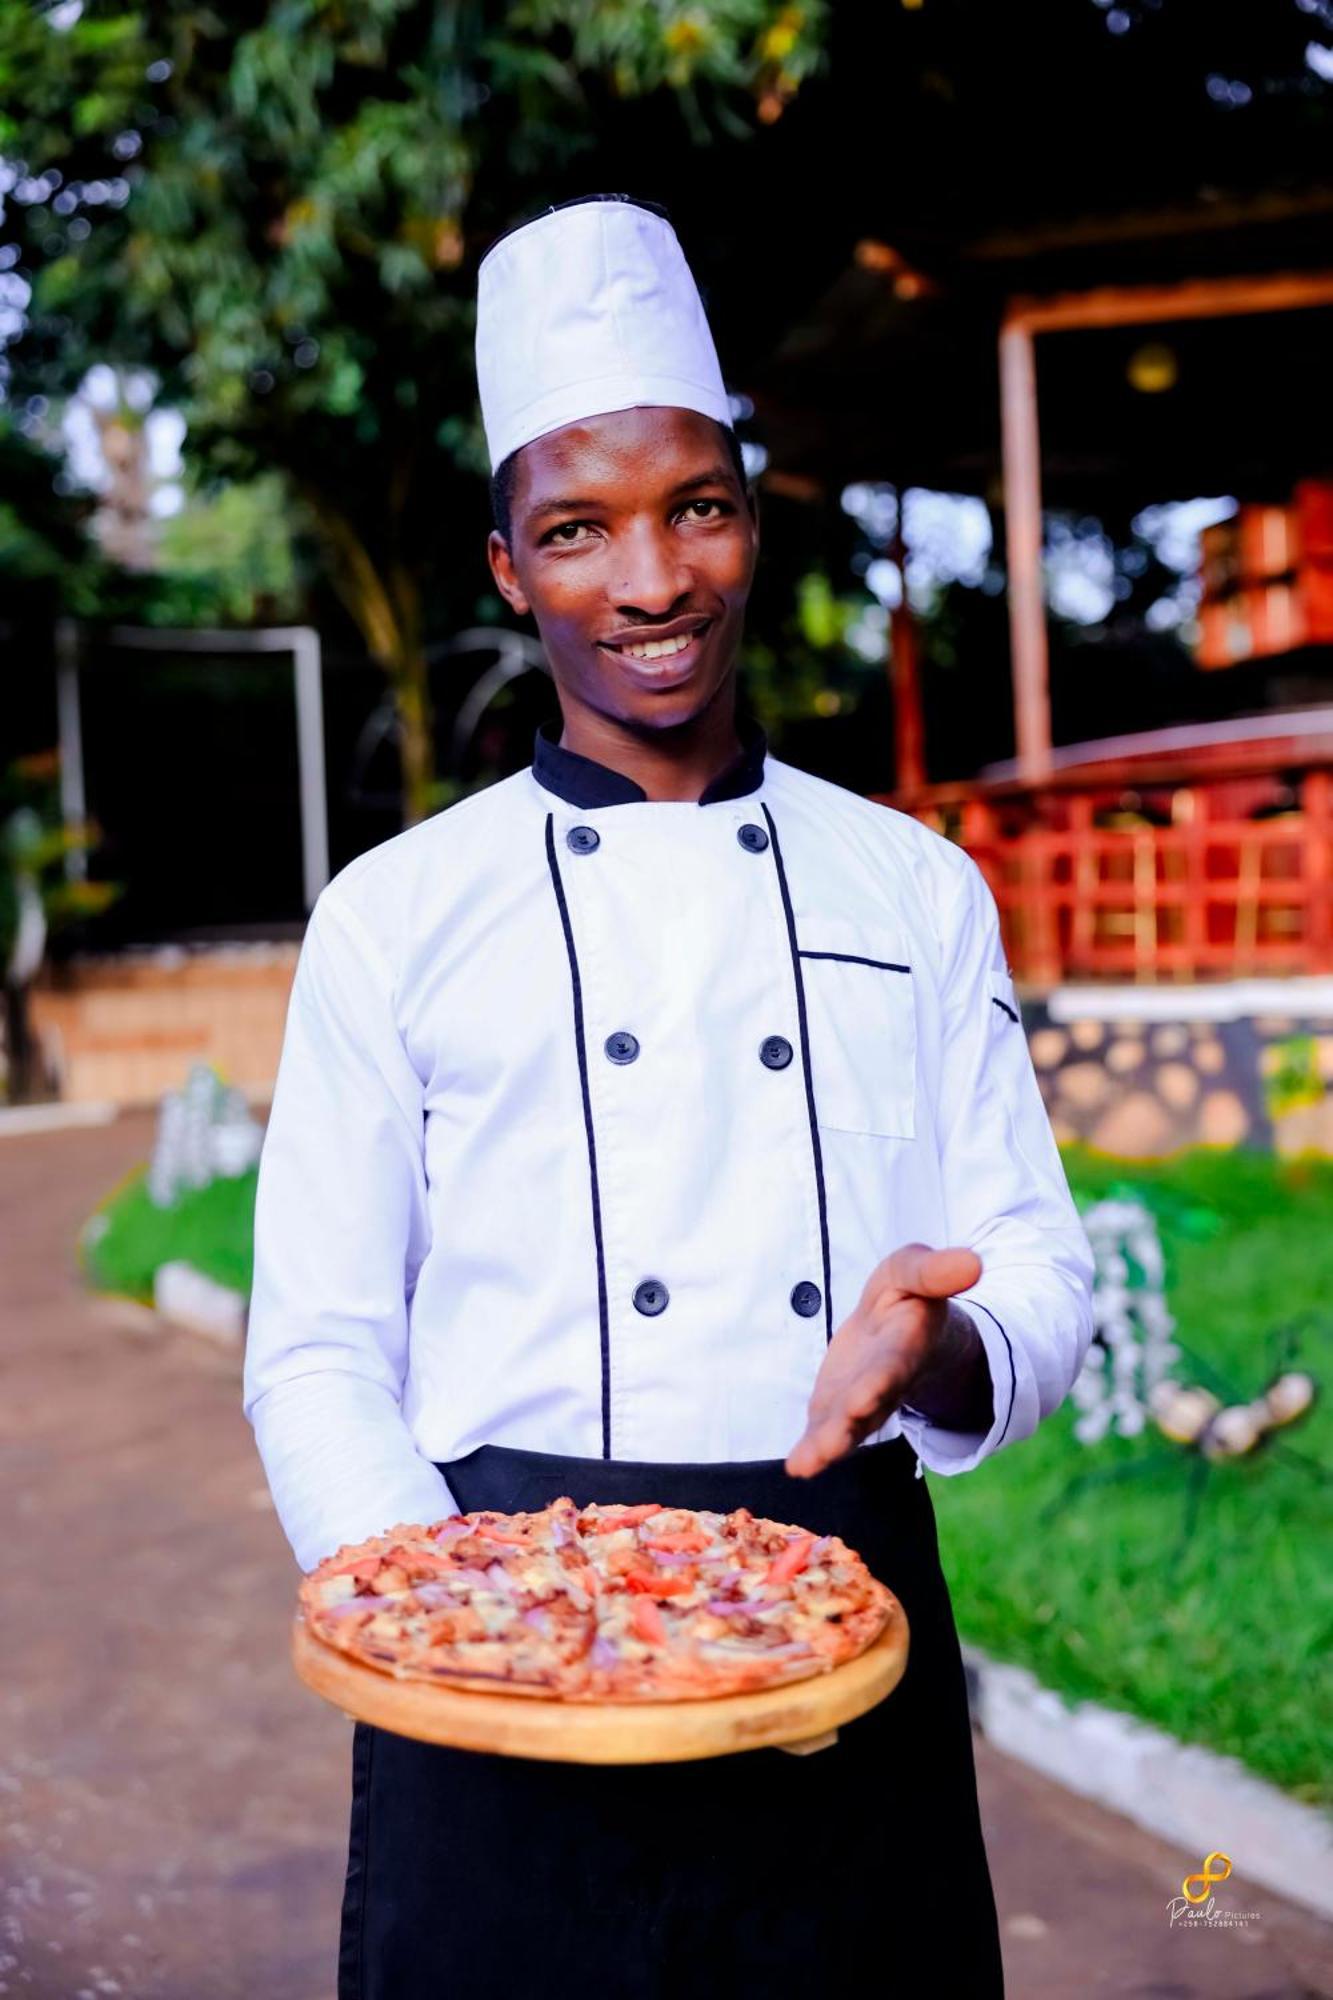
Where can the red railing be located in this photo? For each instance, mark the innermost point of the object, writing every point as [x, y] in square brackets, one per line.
[1125, 873]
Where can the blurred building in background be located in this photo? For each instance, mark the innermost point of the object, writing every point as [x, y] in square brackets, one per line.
[1199, 847]
[1029, 359]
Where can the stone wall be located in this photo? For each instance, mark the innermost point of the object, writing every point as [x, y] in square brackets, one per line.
[1141, 1071]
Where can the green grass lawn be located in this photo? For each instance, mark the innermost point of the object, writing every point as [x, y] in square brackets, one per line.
[1226, 1639]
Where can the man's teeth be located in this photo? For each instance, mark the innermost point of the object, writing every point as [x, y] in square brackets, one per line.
[658, 649]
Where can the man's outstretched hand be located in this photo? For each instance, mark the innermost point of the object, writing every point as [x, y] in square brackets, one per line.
[903, 1342]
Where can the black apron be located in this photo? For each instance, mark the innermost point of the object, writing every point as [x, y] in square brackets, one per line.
[475, 1877]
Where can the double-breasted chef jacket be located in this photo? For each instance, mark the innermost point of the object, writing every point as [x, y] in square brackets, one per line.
[595, 1113]
[593, 1116]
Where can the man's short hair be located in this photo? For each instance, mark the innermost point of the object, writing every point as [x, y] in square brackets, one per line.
[502, 482]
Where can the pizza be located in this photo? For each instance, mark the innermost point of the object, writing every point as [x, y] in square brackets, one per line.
[615, 1604]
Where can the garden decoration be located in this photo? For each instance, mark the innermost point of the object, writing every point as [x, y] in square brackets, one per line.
[1214, 1418]
[1197, 1418]
[1131, 1350]
[205, 1132]
[179, 1234]
[1215, 1423]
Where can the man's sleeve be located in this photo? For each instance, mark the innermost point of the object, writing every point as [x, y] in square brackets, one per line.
[341, 1227]
[1006, 1197]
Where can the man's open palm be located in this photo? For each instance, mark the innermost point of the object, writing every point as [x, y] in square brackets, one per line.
[879, 1350]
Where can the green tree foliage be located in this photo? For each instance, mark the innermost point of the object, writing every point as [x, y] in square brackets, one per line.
[280, 209]
[228, 557]
[46, 559]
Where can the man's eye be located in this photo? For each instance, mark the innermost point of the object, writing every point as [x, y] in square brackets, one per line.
[720, 506]
[566, 533]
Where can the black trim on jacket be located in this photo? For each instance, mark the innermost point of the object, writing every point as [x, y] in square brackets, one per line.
[855, 958]
[1013, 1373]
[582, 781]
[580, 1043]
[815, 1146]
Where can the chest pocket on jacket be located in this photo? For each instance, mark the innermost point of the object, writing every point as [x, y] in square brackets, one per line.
[861, 1011]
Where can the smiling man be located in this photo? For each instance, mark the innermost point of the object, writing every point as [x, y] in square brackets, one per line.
[655, 1125]
[579, 504]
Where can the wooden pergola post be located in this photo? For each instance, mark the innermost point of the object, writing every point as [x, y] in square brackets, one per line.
[1021, 446]
[909, 726]
[1108, 305]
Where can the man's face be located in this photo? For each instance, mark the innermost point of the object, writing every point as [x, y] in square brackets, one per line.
[633, 545]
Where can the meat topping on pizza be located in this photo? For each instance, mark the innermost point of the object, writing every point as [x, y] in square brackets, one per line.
[615, 1603]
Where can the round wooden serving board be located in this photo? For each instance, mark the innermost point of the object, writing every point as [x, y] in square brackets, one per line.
[803, 1713]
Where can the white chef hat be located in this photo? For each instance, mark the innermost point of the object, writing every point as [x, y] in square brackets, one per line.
[589, 308]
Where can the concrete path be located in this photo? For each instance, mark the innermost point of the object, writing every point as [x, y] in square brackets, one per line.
[173, 1805]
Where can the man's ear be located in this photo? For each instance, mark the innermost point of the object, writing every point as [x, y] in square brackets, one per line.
[502, 569]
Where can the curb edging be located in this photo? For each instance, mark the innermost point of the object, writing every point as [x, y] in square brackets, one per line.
[20, 1121]
[1194, 1797]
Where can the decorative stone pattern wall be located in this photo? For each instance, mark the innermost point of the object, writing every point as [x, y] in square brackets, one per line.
[1141, 1087]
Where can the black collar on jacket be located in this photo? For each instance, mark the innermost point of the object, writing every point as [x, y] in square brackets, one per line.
[582, 781]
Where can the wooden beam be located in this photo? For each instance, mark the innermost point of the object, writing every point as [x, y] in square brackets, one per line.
[1021, 445]
[1146, 225]
[1192, 298]
[909, 723]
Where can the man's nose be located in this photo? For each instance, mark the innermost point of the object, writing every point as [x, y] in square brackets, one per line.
[653, 579]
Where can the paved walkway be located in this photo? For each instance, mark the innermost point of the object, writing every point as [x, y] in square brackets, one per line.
[173, 1804]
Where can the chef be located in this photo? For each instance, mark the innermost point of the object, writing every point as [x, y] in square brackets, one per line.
[656, 1124]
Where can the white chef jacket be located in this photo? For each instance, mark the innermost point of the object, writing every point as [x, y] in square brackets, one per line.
[595, 1113]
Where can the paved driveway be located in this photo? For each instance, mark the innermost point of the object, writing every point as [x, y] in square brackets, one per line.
[172, 1803]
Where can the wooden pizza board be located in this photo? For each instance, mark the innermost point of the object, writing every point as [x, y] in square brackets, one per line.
[802, 1715]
